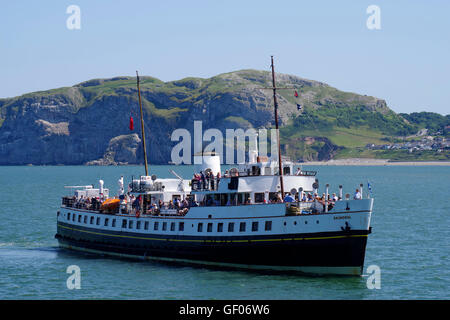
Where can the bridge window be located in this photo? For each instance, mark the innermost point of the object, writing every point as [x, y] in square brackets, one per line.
[98, 221]
[230, 226]
[106, 222]
[146, 225]
[68, 216]
[172, 226]
[114, 223]
[85, 219]
[210, 225]
[242, 227]
[181, 226]
[73, 217]
[268, 226]
[156, 225]
[200, 227]
[219, 227]
[79, 218]
[259, 197]
[256, 171]
[273, 196]
[91, 221]
[130, 224]
[255, 226]
[138, 225]
[164, 228]
[124, 223]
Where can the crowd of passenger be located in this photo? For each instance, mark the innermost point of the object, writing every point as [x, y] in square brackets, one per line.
[206, 180]
[89, 203]
[135, 205]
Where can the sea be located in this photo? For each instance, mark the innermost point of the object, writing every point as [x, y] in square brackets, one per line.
[407, 254]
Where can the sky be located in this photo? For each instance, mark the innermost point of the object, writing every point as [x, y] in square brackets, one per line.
[405, 61]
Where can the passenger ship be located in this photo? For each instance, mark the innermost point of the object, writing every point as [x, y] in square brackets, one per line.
[242, 220]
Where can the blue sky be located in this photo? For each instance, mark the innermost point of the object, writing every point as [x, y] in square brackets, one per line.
[406, 62]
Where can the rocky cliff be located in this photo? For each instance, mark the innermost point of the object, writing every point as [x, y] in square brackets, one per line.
[88, 123]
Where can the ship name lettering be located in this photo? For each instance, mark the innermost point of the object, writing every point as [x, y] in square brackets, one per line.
[342, 217]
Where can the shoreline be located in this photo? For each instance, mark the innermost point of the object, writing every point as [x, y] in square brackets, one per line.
[373, 162]
[339, 162]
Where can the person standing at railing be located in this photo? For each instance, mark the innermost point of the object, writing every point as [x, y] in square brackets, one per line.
[304, 198]
[289, 198]
[218, 180]
[203, 179]
[210, 180]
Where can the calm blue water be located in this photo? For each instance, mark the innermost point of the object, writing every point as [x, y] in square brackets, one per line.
[410, 242]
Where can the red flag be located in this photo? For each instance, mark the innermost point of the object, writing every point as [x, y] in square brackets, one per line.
[296, 94]
[131, 123]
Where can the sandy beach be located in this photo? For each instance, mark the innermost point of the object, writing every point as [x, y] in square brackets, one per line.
[373, 162]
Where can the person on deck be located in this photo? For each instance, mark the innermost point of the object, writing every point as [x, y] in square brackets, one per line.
[203, 179]
[289, 198]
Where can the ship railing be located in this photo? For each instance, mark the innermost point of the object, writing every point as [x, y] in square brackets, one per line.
[73, 202]
[211, 184]
[297, 208]
[308, 207]
[146, 188]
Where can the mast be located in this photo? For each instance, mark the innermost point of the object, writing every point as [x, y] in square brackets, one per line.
[142, 125]
[275, 103]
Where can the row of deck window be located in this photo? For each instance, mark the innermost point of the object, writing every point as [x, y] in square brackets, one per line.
[209, 226]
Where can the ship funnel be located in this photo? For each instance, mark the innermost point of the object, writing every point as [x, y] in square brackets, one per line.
[207, 160]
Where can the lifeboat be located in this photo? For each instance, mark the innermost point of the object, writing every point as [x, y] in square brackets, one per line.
[110, 205]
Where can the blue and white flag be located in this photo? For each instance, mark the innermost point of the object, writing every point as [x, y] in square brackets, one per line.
[299, 107]
[369, 187]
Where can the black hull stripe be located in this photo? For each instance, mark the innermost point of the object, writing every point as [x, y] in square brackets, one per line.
[315, 270]
[328, 254]
[332, 249]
